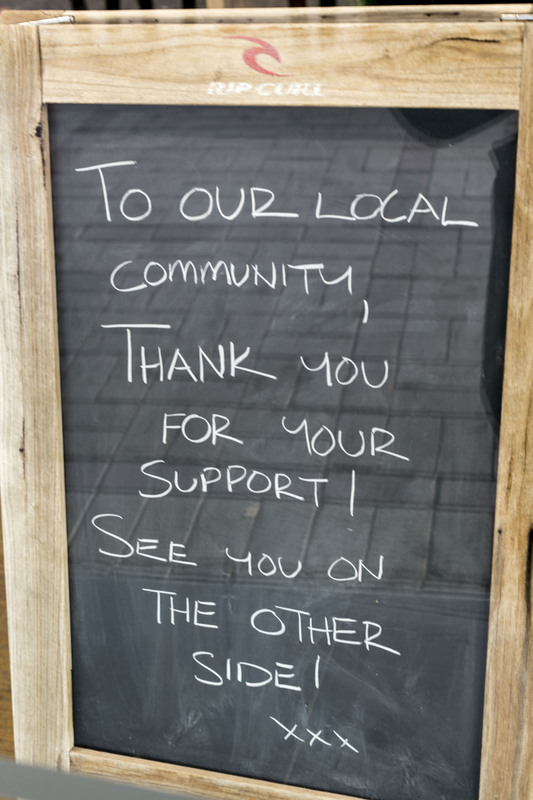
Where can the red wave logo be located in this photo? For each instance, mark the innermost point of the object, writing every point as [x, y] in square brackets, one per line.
[263, 48]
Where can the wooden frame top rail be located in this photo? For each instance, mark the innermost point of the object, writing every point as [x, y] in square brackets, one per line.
[458, 57]
[478, 65]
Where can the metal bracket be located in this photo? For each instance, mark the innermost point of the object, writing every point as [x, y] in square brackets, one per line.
[516, 17]
[49, 21]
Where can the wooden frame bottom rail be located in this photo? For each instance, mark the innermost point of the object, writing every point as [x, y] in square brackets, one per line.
[196, 782]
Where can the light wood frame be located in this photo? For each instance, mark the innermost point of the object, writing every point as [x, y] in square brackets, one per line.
[434, 57]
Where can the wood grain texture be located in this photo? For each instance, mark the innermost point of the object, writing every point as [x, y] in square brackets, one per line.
[7, 745]
[31, 473]
[7, 748]
[507, 769]
[13, 16]
[196, 782]
[446, 64]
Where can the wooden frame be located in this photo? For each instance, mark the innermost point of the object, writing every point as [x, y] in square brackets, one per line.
[458, 57]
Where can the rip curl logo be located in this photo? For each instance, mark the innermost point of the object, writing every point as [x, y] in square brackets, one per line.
[262, 48]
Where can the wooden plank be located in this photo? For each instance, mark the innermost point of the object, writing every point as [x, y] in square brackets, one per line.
[507, 769]
[7, 746]
[6, 717]
[196, 782]
[375, 64]
[15, 16]
[31, 474]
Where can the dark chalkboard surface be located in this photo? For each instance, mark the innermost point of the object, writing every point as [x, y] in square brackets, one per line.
[281, 342]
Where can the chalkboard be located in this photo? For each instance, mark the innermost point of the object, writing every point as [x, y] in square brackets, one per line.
[281, 337]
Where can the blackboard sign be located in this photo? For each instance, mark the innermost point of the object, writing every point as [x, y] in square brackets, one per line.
[257, 292]
[281, 336]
